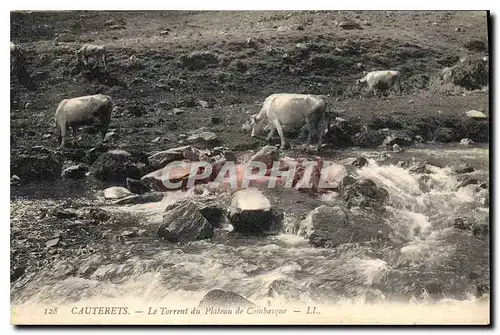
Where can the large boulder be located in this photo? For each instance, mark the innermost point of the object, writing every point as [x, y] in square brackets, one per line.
[162, 158]
[135, 186]
[224, 299]
[37, 163]
[183, 222]
[203, 139]
[327, 226]
[364, 193]
[172, 178]
[268, 155]
[115, 166]
[250, 211]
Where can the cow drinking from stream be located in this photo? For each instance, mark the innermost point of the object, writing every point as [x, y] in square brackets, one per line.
[287, 109]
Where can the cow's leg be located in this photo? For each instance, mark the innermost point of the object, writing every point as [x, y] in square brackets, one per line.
[280, 133]
[104, 130]
[74, 128]
[322, 127]
[62, 135]
[85, 59]
[309, 131]
[104, 61]
[271, 134]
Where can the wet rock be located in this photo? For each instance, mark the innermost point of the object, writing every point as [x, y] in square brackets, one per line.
[16, 273]
[224, 299]
[463, 168]
[467, 180]
[116, 192]
[75, 171]
[36, 164]
[204, 139]
[321, 224]
[115, 166]
[474, 114]
[135, 199]
[466, 141]
[460, 223]
[162, 158]
[360, 162]
[250, 211]
[184, 223]
[211, 208]
[347, 181]
[396, 148]
[481, 229]
[400, 138]
[154, 181]
[444, 135]
[135, 186]
[268, 155]
[364, 193]
[419, 168]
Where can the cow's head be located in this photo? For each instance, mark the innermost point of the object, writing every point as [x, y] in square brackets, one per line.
[257, 124]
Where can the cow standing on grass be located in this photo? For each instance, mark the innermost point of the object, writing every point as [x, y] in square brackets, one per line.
[81, 111]
[381, 81]
[287, 109]
[92, 50]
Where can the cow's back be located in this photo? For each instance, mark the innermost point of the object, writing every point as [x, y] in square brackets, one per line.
[291, 109]
[84, 108]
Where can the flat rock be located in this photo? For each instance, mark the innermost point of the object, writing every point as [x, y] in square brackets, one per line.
[116, 192]
[184, 222]
[476, 114]
[162, 158]
[135, 199]
[250, 211]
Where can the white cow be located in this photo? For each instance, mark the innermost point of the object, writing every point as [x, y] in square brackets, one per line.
[92, 50]
[288, 110]
[86, 110]
[381, 80]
